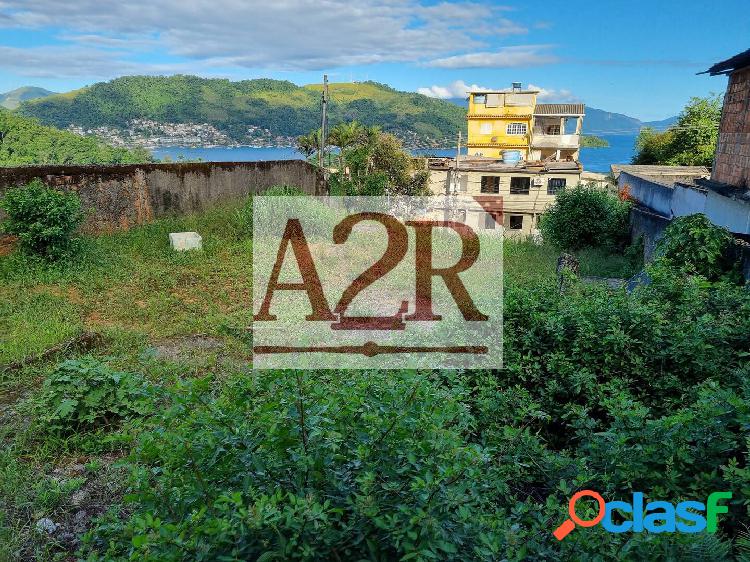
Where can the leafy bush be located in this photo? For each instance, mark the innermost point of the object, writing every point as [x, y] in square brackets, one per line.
[697, 245]
[287, 466]
[586, 217]
[601, 390]
[42, 218]
[86, 393]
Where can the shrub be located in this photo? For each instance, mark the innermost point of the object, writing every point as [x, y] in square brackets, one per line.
[86, 393]
[693, 243]
[42, 218]
[586, 217]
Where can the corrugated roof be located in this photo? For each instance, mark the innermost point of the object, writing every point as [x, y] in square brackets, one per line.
[559, 109]
[730, 65]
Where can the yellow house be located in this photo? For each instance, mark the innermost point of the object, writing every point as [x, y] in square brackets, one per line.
[501, 120]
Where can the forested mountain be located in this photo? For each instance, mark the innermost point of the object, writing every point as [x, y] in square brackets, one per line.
[14, 98]
[233, 107]
[25, 141]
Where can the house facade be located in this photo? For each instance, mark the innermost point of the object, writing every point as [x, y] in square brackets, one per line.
[523, 191]
[545, 136]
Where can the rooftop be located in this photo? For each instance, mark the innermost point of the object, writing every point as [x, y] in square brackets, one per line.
[479, 164]
[559, 109]
[660, 171]
[728, 66]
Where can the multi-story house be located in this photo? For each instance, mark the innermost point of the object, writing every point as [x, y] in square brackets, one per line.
[500, 121]
[518, 151]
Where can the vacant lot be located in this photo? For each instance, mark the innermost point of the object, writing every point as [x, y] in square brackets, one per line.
[193, 456]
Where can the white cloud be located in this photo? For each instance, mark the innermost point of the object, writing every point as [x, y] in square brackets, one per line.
[507, 57]
[457, 89]
[282, 35]
[561, 95]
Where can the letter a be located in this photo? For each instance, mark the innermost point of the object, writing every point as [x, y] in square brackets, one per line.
[310, 280]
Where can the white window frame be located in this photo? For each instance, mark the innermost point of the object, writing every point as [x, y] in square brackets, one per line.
[518, 129]
[485, 128]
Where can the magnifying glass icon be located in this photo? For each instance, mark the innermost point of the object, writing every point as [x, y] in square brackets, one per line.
[569, 524]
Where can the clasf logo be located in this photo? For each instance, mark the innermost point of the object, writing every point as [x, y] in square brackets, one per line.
[655, 517]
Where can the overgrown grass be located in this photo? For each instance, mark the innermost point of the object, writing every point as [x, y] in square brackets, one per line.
[153, 306]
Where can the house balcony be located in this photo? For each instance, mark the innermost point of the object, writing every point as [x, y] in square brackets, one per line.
[556, 142]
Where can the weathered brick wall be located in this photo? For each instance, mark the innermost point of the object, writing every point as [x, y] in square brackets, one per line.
[120, 196]
[732, 162]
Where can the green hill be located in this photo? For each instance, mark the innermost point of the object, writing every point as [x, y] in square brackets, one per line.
[279, 106]
[14, 98]
[25, 141]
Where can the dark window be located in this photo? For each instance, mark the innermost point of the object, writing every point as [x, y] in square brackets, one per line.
[490, 184]
[555, 184]
[520, 186]
[516, 222]
[489, 222]
[553, 130]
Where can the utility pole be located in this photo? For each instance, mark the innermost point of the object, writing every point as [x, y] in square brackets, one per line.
[457, 181]
[323, 133]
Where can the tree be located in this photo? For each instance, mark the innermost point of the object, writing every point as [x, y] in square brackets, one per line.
[585, 217]
[309, 143]
[344, 136]
[690, 142]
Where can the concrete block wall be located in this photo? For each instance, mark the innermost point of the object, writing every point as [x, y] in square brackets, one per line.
[120, 196]
[732, 160]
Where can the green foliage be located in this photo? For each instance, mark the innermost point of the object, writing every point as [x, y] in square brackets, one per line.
[601, 390]
[586, 217]
[42, 218]
[290, 466]
[690, 142]
[376, 162]
[695, 244]
[24, 141]
[592, 141]
[85, 394]
[280, 106]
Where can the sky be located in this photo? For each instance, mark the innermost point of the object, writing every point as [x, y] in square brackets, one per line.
[634, 57]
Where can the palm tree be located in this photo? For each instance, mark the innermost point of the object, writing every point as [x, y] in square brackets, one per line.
[345, 135]
[309, 144]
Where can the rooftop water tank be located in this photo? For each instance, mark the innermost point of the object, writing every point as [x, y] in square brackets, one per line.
[511, 156]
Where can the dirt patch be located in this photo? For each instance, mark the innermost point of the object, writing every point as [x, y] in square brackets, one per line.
[175, 349]
[102, 487]
[7, 244]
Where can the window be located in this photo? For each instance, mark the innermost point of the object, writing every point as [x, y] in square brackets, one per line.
[489, 222]
[480, 98]
[520, 186]
[516, 222]
[516, 129]
[490, 184]
[554, 184]
[552, 130]
[485, 128]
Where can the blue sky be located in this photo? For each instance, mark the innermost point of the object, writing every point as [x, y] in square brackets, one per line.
[635, 57]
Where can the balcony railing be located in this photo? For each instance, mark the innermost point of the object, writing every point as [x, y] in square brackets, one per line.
[555, 141]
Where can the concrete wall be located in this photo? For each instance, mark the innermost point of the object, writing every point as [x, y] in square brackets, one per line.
[653, 195]
[124, 195]
[732, 160]
[650, 226]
